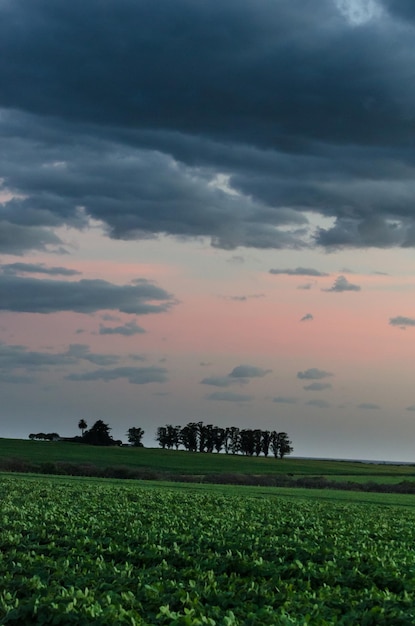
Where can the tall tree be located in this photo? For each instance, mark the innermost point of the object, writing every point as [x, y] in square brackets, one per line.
[280, 444]
[82, 425]
[161, 436]
[266, 441]
[99, 435]
[135, 436]
[188, 436]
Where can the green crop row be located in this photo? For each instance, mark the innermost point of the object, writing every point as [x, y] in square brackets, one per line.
[111, 553]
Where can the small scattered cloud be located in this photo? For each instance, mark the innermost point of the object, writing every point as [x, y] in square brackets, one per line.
[285, 400]
[402, 321]
[299, 271]
[317, 386]
[245, 298]
[205, 364]
[308, 317]
[218, 381]
[368, 406]
[128, 330]
[342, 284]
[313, 374]
[134, 375]
[320, 404]
[248, 371]
[241, 374]
[410, 408]
[305, 287]
[228, 396]
[236, 260]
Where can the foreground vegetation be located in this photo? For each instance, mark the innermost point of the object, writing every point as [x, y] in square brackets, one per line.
[79, 551]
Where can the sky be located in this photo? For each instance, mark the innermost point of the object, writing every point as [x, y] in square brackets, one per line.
[207, 214]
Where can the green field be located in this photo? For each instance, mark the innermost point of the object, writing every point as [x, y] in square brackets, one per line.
[81, 551]
[200, 464]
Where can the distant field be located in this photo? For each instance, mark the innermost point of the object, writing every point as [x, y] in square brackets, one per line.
[201, 464]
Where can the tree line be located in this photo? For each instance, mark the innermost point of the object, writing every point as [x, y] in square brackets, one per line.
[200, 437]
[194, 437]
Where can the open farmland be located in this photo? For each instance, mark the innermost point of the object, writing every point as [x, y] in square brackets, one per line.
[76, 551]
[54, 457]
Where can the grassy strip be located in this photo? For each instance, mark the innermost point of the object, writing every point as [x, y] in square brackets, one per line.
[277, 480]
[187, 463]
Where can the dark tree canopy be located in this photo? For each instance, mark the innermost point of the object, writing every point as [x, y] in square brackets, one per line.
[200, 437]
[135, 436]
[99, 435]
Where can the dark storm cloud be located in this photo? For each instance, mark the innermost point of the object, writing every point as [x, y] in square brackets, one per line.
[401, 320]
[299, 271]
[83, 296]
[129, 110]
[229, 396]
[342, 284]
[313, 374]
[16, 239]
[128, 330]
[37, 268]
[134, 375]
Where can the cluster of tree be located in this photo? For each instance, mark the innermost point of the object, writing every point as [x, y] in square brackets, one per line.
[44, 436]
[99, 435]
[200, 437]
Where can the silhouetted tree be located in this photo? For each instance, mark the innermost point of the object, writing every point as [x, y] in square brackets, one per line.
[280, 444]
[99, 435]
[44, 436]
[188, 436]
[247, 441]
[234, 436]
[219, 437]
[257, 441]
[265, 441]
[82, 425]
[161, 436]
[135, 436]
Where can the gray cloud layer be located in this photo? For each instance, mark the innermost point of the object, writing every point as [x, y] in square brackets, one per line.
[300, 109]
[134, 375]
[83, 296]
[15, 359]
[37, 268]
